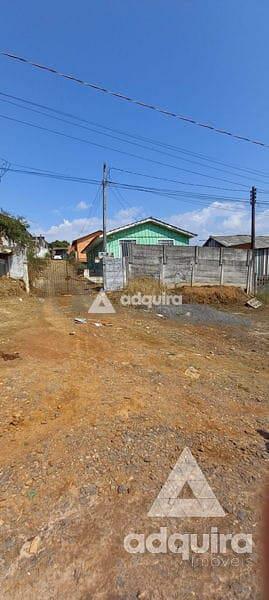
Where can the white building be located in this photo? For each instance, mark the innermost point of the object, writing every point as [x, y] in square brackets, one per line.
[41, 246]
[13, 261]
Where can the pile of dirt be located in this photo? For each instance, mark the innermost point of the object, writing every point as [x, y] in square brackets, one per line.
[145, 285]
[139, 285]
[11, 287]
[216, 294]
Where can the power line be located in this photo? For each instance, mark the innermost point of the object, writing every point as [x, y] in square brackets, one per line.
[176, 192]
[201, 199]
[85, 141]
[116, 195]
[169, 192]
[124, 201]
[161, 191]
[139, 145]
[175, 180]
[157, 191]
[133, 136]
[92, 208]
[52, 175]
[195, 201]
[4, 167]
[140, 103]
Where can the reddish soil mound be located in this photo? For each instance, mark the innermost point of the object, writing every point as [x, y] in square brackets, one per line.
[11, 287]
[213, 295]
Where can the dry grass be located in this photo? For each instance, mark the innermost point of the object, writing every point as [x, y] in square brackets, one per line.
[142, 285]
[215, 294]
[145, 285]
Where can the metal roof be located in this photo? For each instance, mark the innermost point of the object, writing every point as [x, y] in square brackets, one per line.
[140, 222]
[261, 241]
[153, 220]
[84, 237]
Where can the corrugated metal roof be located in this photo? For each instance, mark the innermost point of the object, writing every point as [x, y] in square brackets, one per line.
[129, 225]
[262, 241]
[88, 235]
[153, 220]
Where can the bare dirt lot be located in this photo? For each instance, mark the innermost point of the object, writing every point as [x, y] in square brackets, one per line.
[93, 419]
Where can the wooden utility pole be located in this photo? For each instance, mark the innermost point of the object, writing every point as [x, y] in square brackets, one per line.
[104, 188]
[253, 198]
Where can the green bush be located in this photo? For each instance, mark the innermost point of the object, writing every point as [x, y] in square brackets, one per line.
[15, 229]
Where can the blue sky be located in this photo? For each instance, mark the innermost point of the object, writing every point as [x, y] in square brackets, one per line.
[203, 59]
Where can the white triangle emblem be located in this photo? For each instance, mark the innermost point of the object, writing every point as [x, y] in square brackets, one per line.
[101, 305]
[205, 503]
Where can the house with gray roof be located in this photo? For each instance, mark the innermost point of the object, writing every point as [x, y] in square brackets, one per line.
[244, 241]
[236, 241]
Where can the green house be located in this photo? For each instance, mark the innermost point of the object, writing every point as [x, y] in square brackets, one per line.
[146, 231]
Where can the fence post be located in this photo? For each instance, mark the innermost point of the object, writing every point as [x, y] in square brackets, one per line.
[249, 274]
[221, 265]
[163, 262]
[192, 274]
[124, 270]
[104, 273]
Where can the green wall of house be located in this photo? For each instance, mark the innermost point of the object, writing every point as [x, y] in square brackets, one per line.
[142, 233]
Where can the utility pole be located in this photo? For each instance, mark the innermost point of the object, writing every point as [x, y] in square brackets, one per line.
[104, 188]
[253, 198]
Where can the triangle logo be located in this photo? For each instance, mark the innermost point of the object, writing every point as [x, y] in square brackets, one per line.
[204, 503]
[101, 305]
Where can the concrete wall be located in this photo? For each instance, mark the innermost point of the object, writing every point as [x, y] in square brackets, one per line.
[18, 266]
[181, 265]
[113, 273]
[16, 261]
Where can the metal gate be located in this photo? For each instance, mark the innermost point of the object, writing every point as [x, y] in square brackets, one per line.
[60, 278]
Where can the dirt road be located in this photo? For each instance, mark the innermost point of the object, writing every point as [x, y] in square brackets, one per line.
[93, 419]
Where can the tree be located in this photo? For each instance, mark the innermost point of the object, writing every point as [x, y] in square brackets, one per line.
[59, 244]
[15, 229]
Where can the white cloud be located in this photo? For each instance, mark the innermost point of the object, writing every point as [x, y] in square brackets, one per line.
[72, 229]
[216, 218]
[82, 205]
[128, 215]
[221, 218]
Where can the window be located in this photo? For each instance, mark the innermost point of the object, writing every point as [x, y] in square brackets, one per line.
[125, 246]
[128, 241]
[166, 242]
